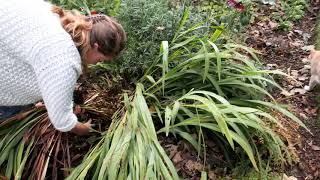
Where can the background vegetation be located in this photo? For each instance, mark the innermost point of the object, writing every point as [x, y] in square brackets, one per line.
[191, 80]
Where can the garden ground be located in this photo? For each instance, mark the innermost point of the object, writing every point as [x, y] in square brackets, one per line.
[284, 50]
[288, 51]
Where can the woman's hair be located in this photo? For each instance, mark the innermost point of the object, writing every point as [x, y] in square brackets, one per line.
[88, 30]
[108, 34]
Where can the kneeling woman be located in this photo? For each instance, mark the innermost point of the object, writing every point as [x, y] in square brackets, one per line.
[44, 51]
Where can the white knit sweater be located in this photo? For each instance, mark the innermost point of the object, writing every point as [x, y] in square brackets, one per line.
[38, 60]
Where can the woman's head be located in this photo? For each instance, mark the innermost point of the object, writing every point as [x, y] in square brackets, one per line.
[98, 37]
[107, 39]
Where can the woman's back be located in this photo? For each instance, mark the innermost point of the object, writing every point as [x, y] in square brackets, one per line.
[38, 60]
[29, 40]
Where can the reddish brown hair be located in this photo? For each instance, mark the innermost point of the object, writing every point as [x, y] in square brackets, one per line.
[108, 34]
[87, 30]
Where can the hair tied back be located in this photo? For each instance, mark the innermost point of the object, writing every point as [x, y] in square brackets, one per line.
[94, 18]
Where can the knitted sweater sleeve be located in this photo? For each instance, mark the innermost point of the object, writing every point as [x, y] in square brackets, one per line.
[57, 69]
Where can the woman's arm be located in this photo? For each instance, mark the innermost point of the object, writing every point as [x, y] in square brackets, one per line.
[82, 128]
[57, 68]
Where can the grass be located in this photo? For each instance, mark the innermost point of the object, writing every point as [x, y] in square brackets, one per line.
[130, 148]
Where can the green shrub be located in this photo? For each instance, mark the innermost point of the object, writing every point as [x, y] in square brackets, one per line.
[109, 7]
[146, 22]
[290, 11]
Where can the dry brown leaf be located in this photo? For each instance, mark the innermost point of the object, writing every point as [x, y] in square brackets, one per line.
[308, 48]
[298, 31]
[285, 177]
[312, 111]
[212, 175]
[3, 178]
[286, 93]
[273, 25]
[295, 73]
[177, 158]
[193, 165]
[272, 66]
[304, 116]
[296, 43]
[297, 91]
[305, 60]
[315, 148]
[262, 24]
[173, 149]
[255, 33]
[302, 78]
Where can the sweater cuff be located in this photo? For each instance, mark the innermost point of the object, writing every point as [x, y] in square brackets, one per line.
[72, 121]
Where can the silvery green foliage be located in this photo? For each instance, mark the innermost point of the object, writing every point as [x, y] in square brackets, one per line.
[147, 23]
[271, 2]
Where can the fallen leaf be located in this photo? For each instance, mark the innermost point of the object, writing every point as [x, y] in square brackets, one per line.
[305, 60]
[296, 43]
[298, 31]
[262, 24]
[304, 116]
[313, 111]
[294, 73]
[297, 84]
[305, 69]
[286, 93]
[272, 66]
[269, 43]
[302, 78]
[297, 91]
[315, 148]
[273, 25]
[173, 149]
[290, 87]
[309, 177]
[285, 177]
[308, 48]
[306, 37]
[254, 33]
[177, 158]
[152, 109]
[193, 165]
[212, 175]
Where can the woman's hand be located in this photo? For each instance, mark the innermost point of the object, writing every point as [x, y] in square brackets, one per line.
[39, 105]
[78, 110]
[82, 128]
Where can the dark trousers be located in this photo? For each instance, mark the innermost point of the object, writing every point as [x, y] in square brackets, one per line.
[9, 111]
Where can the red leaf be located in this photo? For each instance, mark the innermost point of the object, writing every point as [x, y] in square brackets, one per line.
[93, 12]
[240, 7]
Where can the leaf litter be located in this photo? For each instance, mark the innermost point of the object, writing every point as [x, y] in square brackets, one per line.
[288, 52]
